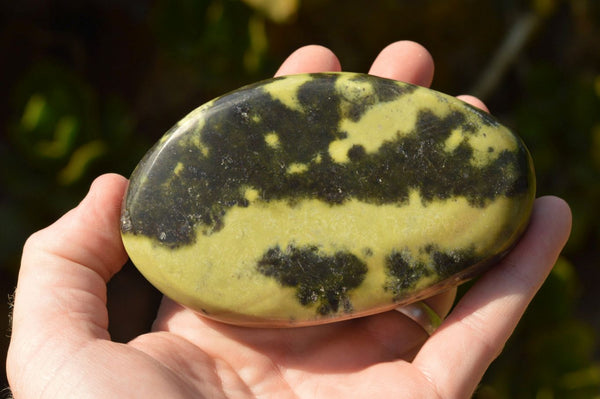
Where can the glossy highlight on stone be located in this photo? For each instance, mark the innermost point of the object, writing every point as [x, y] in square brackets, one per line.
[315, 198]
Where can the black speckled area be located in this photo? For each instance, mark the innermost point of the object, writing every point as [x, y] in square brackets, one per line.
[404, 272]
[449, 263]
[318, 279]
[170, 207]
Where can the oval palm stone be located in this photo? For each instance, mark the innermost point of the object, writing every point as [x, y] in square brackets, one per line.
[320, 197]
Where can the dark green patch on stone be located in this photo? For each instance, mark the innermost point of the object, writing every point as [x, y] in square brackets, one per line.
[318, 279]
[171, 207]
[356, 152]
[403, 272]
[449, 263]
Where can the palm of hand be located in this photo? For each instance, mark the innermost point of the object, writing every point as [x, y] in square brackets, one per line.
[331, 360]
[61, 347]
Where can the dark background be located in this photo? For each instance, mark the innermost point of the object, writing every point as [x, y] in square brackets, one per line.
[89, 86]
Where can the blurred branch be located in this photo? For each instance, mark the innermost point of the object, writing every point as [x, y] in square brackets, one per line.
[516, 39]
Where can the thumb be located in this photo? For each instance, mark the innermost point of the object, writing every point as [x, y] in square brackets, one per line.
[61, 290]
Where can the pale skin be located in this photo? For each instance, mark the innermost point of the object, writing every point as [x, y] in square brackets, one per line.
[61, 348]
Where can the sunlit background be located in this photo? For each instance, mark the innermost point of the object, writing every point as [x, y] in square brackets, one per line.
[88, 86]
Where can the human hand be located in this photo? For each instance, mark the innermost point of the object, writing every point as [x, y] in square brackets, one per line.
[61, 347]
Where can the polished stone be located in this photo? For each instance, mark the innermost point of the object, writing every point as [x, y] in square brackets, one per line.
[321, 197]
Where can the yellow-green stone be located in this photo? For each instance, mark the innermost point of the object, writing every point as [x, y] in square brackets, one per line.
[320, 197]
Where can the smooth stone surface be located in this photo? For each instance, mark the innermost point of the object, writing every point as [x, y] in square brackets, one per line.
[321, 197]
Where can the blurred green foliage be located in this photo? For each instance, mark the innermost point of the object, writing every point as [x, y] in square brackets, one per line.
[551, 354]
[89, 86]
